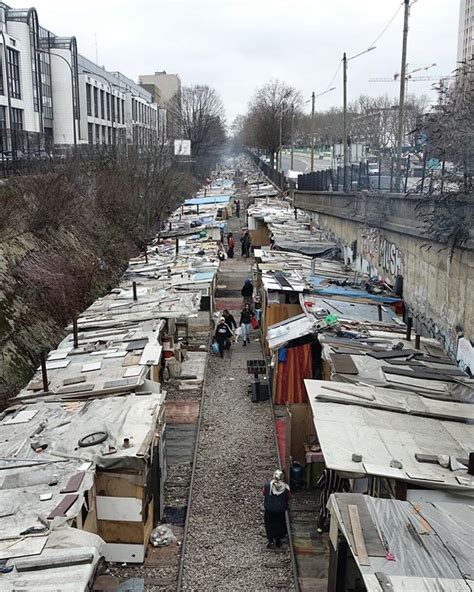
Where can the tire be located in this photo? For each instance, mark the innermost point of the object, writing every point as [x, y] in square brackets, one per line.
[93, 439]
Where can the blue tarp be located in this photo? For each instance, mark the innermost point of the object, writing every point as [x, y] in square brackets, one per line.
[201, 201]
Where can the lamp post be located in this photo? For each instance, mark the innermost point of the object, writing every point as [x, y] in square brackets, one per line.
[281, 135]
[74, 131]
[345, 59]
[313, 100]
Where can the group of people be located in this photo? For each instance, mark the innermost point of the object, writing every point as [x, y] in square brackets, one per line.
[245, 243]
[227, 323]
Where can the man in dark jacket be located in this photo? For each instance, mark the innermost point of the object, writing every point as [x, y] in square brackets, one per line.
[222, 335]
[247, 291]
[276, 496]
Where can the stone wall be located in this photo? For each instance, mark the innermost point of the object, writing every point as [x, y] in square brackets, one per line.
[381, 235]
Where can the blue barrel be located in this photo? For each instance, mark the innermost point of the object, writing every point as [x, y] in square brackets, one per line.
[296, 475]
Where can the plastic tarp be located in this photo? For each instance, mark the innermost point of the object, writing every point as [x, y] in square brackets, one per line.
[133, 417]
[64, 543]
[381, 437]
[202, 201]
[433, 545]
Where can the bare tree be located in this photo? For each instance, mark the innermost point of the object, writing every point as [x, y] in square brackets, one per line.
[272, 104]
[449, 130]
[203, 122]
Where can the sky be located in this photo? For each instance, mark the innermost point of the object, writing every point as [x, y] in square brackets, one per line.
[236, 46]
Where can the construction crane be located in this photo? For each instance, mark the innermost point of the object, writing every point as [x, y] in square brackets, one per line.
[409, 76]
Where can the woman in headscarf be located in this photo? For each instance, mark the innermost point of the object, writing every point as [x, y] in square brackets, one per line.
[276, 496]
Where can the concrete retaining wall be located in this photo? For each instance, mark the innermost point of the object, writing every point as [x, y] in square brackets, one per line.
[381, 235]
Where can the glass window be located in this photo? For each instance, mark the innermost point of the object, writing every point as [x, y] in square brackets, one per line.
[107, 96]
[123, 110]
[96, 102]
[90, 133]
[3, 126]
[97, 133]
[89, 99]
[14, 73]
[102, 105]
[109, 134]
[104, 136]
[112, 99]
[17, 119]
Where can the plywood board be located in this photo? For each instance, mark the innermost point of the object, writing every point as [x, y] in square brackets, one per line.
[56, 364]
[123, 509]
[22, 547]
[124, 553]
[22, 417]
[91, 366]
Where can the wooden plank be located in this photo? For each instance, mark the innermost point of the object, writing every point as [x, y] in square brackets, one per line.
[360, 549]
[74, 483]
[420, 374]
[392, 353]
[53, 562]
[373, 543]
[73, 380]
[63, 506]
[343, 364]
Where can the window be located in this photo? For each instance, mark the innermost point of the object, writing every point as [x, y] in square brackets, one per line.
[123, 110]
[3, 126]
[2, 88]
[97, 133]
[112, 99]
[90, 133]
[96, 102]
[134, 110]
[104, 137]
[107, 96]
[17, 119]
[102, 106]
[89, 99]
[13, 57]
[109, 134]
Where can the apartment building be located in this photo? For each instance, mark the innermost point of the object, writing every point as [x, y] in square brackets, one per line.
[50, 95]
[169, 86]
[466, 31]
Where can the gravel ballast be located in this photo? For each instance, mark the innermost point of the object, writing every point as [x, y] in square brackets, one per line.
[226, 544]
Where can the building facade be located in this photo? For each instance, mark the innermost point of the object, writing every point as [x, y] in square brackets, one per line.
[169, 86]
[466, 31]
[51, 96]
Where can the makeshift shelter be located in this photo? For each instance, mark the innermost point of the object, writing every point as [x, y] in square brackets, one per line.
[380, 545]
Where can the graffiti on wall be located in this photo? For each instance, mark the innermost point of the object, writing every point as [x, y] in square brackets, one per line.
[390, 257]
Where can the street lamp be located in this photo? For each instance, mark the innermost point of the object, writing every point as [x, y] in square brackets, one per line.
[74, 132]
[345, 59]
[313, 98]
[281, 134]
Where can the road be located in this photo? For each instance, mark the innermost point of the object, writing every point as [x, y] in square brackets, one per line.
[302, 162]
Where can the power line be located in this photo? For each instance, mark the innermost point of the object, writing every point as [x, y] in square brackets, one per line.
[387, 26]
[335, 74]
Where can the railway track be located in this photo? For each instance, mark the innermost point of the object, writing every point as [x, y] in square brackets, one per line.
[224, 544]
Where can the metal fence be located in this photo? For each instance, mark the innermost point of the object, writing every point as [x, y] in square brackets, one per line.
[425, 176]
[275, 176]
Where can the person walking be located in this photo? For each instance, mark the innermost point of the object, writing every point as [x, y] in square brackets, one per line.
[329, 482]
[247, 291]
[276, 497]
[229, 319]
[230, 246]
[246, 243]
[222, 335]
[246, 323]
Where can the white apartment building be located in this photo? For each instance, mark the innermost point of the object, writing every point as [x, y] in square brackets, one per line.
[466, 31]
[49, 94]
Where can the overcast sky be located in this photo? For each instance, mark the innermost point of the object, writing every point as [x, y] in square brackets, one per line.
[236, 45]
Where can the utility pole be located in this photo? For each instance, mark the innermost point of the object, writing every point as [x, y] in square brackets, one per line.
[281, 137]
[401, 108]
[292, 134]
[313, 98]
[344, 110]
